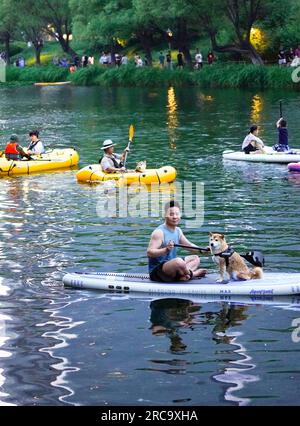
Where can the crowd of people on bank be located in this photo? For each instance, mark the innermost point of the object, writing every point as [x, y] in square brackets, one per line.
[286, 57]
[290, 57]
[165, 60]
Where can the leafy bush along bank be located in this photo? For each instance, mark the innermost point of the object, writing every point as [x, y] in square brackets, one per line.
[223, 76]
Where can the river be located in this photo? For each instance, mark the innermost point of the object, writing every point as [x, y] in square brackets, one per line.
[70, 347]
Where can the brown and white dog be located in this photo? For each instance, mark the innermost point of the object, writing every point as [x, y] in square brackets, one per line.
[235, 267]
[141, 166]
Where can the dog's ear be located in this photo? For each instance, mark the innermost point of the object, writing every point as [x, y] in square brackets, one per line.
[210, 234]
[222, 236]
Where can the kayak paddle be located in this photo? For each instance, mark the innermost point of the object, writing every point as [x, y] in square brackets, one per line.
[131, 133]
[280, 109]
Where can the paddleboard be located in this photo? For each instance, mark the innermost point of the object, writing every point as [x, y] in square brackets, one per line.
[275, 157]
[271, 285]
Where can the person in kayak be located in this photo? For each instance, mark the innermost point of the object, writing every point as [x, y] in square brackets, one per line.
[14, 151]
[111, 162]
[36, 147]
[164, 265]
[283, 138]
[252, 143]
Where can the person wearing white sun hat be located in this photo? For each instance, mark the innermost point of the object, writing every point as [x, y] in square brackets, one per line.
[111, 162]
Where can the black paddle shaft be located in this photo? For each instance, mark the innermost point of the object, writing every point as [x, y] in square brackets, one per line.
[201, 249]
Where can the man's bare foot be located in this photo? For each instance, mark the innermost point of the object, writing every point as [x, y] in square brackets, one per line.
[199, 273]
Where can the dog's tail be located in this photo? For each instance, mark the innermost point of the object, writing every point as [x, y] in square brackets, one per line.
[256, 273]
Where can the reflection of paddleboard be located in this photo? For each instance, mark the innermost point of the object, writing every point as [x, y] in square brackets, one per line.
[274, 157]
[57, 83]
[271, 285]
[276, 301]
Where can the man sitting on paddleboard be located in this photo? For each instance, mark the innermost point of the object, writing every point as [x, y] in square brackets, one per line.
[111, 162]
[252, 143]
[164, 265]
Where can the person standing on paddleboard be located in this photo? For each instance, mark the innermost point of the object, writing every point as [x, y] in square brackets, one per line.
[164, 265]
[283, 138]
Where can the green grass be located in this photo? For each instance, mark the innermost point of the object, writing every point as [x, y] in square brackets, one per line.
[218, 75]
[36, 74]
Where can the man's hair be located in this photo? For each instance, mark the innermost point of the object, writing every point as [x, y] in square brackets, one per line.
[253, 128]
[171, 204]
[283, 123]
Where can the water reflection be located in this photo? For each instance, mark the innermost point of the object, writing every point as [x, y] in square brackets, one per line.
[170, 317]
[4, 354]
[172, 118]
[62, 340]
[231, 316]
[256, 109]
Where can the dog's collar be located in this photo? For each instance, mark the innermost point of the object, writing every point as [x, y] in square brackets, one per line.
[226, 254]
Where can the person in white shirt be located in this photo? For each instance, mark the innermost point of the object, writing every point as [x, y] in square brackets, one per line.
[252, 143]
[111, 162]
[103, 59]
[139, 62]
[198, 60]
[36, 147]
[124, 60]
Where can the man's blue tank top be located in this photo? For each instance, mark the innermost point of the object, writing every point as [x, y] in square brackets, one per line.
[168, 236]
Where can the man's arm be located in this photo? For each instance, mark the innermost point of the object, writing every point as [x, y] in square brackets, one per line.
[278, 122]
[184, 241]
[154, 247]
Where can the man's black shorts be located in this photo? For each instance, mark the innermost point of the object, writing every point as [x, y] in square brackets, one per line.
[158, 274]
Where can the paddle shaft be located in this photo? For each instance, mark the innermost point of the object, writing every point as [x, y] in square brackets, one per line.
[192, 248]
[131, 133]
[280, 109]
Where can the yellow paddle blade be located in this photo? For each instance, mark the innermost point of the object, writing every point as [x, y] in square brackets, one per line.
[131, 132]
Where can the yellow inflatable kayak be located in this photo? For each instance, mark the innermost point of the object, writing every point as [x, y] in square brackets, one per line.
[55, 159]
[57, 83]
[94, 173]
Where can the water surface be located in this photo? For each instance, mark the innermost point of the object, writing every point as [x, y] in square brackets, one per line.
[68, 347]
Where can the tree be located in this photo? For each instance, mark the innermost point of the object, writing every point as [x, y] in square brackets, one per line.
[29, 24]
[174, 14]
[56, 18]
[105, 21]
[7, 26]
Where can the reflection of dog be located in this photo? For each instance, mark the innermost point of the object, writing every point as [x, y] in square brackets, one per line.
[231, 264]
[141, 166]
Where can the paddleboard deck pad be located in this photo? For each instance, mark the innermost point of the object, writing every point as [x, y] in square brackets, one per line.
[273, 284]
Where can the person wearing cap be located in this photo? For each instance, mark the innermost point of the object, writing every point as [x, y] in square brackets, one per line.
[111, 162]
[36, 147]
[14, 151]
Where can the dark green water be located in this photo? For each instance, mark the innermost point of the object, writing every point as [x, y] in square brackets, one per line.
[62, 347]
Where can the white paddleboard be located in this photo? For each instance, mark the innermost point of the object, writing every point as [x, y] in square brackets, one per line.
[273, 284]
[274, 157]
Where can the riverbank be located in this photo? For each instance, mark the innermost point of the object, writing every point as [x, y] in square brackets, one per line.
[216, 76]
